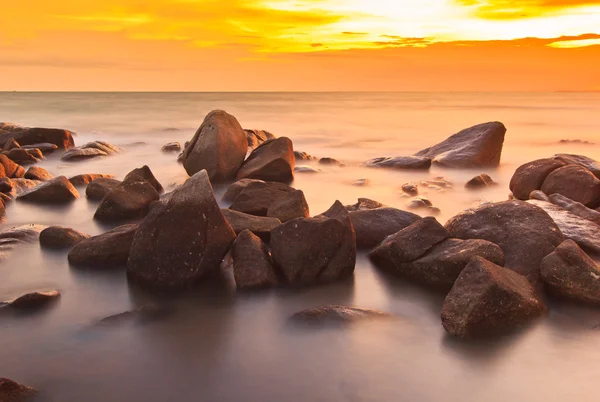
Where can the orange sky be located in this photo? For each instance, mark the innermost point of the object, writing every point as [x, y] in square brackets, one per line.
[272, 45]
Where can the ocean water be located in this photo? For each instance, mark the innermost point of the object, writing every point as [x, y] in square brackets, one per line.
[220, 346]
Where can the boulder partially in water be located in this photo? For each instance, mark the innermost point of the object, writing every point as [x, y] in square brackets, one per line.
[182, 240]
[276, 200]
[531, 176]
[273, 160]
[87, 178]
[236, 188]
[257, 137]
[570, 273]
[55, 191]
[487, 300]
[99, 188]
[574, 182]
[90, 150]
[63, 139]
[290, 207]
[171, 147]
[401, 163]
[372, 226]
[11, 391]
[261, 226]
[105, 251]
[479, 182]
[24, 156]
[14, 237]
[32, 301]
[58, 237]
[252, 265]
[337, 314]
[219, 146]
[411, 189]
[473, 147]
[38, 173]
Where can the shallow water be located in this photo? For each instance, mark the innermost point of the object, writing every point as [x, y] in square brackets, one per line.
[223, 347]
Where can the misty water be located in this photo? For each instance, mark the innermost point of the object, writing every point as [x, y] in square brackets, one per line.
[220, 346]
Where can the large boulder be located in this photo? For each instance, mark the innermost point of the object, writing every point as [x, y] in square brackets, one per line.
[58, 237]
[38, 173]
[273, 160]
[55, 191]
[290, 207]
[574, 182]
[146, 174]
[257, 197]
[257, 137]
[108, 250]
[477, 146]
[11, 391]
[575, 208]
[182, 240]
[261, 226]
[10, 169]
[315, 250]
[372, 226]
[569, 272]
[87, 178]
[530, 176]
[236, 188]
[588, 163]
[63, 139]
[99, 188]
[401, 163]
[219, 146]
[252, 265]
[487, 299]
[524, 232]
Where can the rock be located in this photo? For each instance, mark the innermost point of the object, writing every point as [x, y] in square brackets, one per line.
[303, 156]
[315, 250]
[129, 200]
[474, 147]
[171, 147]
[11, 391]
[33, 301]
[438, 182]
[145, 174]
[306, 169]
[531, 176]
[11, 238]
[577, 141]
[44, 148]
[38, 173]
[574, 182]
[252, 265]
[259, 225]
[10, 169]
[539, 195]
[290, 207]
[98, 188]
[411, 189]
[82, 153]
[524, 232]
[257, 197]
[63, 139]
[85, 179]
[330, 162]
[55, 191]
[236, 188]
[141, 315]
[419, 203]
[576, 208]
[401, 162]
[569, 272]
[219, 146]
[24, 156]
[372, 226]
[361, 182]
[11, 144]
[257, 137]
[364, 204]
[582, 231]
[337, 314]
[19, 186]
[588, 163]
[488, 300]
[105, 251]
[182, 240]
[479, 182]
[273, 160]
[58, 237]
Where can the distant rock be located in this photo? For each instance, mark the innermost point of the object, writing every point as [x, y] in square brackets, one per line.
[58, 237]
[259, 225]
[473, 147]
[90, 150]
[303, 156]
[11, 391]
[479, 182]
[411, 189]
[55, 191]
[236, 188]
[337, 314]
[330, 162]
[401, 162]
[574, 207]
[98, 188]
[372, 226]
[105, 251]
[361, 182]
[141, 315]
[252, 265]
[257, 137]
[574, 182]
[32, 301]
[306, 169]
[419, 203]
[364, 204]
[63, 139]
[489, 300]
[219, 146]
[577, 142]
[24, 156]
[171, 147]
[273, 160]
[85, 179]
[569, 272]
[38, 173]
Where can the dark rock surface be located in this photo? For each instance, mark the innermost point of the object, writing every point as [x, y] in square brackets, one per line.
[530, 176]
[574, 182]
[24, 156]
[58, 237]
[55, 191]
[10, 169]
[257, 197]
[90, 150]
[145, 174]
[479, 182]
[588, 163]
[38, 173]
[401, 162]
[257, 137]
[273, 160]
[236, 188]
[364, 204]
[141, 315]
[252, 265]
[372, 226]
[171, 147]
[411, 189]
[290, 207]
[98, 188]
[574, 207]
[11, 391]
[105, 251]
[32, 301]
[259, 225]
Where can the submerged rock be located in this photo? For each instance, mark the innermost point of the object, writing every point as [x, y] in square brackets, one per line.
[401, 162]
[99, 188]
[11, 391]
[574, 182]
[569, 272]
[479, 182]
[330, 162]
[38, 173]
[364, 204]
[489, 300]
[85, 179]
[531, 176]
[337, 314]
[477, 146]
[171, 147]
[306, 169]
[105, 251]
[11, 238]
[58, 237]
[411, 189]
[259, 225]
[219, 146]
[141, 315]
[55, 191]
[32, 301]
[257, 137]
[372, 226]
[90, 150]
[273, 160]
[252, 265]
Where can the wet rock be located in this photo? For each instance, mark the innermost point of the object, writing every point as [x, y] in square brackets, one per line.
[236, 188]
[361, 182]
[524, 232]
[582, 231]
[182, 240]
[289, 207]
[401, 162]
[574, 182]
[489, 300]
[98, 188]
[303, 156]
[85, 179]
[257, 137]
[58, 237]
[146, 174]
[330, 162]
[24, 156]
[479, 182]
[38, 173]
[411, 189]
[32, 301]
[219, 146]
[477, 146]
[44, 148]
[337, 314]
[55, 191]
[576, 208]
[11, 391]
[11, 144]
[531, 176]
[10, 169]
[252, 265]
[105, 251]
[306, 169]
[257, 197]
[588, 163]
[419, 203]
[259, 225]
[315, 250]
[29, 136]
[141, 315]
[364, 204]
[569, 272]
[11, 238]
[372, 226]
[90, 150]
[273, 160]
[171, 147]
[539, 195]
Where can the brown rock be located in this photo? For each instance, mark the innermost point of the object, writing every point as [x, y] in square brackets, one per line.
[55, 191]
[479, 182]
[257, 197]
[33, 301]
[372, 226]
[236, 188]
[85, 179]
[129, 200]
[10, 169]
[252, 265]
[11, 391]
[257, 137]
[273, 160]
[574, 182]
[60, 237]
[337, 314]
[146, 174]
[171, 147]
[259, 225]
[411, 189]
[11, 144]
[38, 173]
[531, 176]
[401, 163]
[290, 207]
[24, 156]
[98, 188]
[588, 163]
[108, 250]
[364, 204]
[574, 207]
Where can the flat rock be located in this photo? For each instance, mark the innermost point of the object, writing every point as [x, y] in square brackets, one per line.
[55, 191]
[479, 182]
[236, 188]
[219, 146]
[85, 179]
[531, 176]
[171, 147]
[569, 272]
[372, 226]
[32, 301]
[337, 314]
[58, 237]
[252, 265]
[11, 391]
[401, 162]
[38, 173]
[411, 189]
[574, 182]
[477, 146]
[259, 225]
[273, 160]
[257, 137]
[45, 148]
[489, 300]
[75, 154]
[575, 207]
[99, 188]
[105, 251]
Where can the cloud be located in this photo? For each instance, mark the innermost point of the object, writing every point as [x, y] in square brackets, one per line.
[516, 9]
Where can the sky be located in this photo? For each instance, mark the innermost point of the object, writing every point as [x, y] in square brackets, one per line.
[300, 45]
